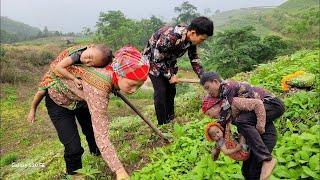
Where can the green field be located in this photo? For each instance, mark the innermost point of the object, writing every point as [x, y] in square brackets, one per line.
[33, 151]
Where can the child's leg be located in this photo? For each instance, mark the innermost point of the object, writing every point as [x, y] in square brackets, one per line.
[35, 103]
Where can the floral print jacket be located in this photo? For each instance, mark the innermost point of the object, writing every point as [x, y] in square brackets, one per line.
[165, 46]
[231, 89]
[97, 85]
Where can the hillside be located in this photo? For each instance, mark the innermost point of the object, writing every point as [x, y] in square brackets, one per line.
[33, 151]
[239, 18]
[296, 5]
[14, 28]
[294, 19]
[144, 155]
[297, 149]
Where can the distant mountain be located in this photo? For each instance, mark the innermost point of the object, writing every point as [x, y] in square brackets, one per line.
[12, 31]
[240, 17]
[294, 19]
[297, 5]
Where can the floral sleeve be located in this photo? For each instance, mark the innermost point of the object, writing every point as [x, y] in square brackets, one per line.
[248, 104]
[97, 101]
[195, 60]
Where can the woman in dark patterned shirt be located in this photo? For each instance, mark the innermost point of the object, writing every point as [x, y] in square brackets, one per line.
[261, 144]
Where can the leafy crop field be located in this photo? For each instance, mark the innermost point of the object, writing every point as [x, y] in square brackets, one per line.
[34, 151]
[297, 149]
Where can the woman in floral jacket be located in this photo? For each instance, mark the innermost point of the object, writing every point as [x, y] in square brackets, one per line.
[65, 101]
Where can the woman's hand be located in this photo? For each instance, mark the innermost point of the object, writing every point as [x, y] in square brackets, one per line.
[122, 174]
[215, 154]
[174, 79]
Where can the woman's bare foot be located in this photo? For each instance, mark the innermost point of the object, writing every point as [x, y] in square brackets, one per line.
[267, 169]
[122, 174]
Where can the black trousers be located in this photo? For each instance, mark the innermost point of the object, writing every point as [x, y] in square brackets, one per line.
[261, 145]
[163, 97]
[64, 121]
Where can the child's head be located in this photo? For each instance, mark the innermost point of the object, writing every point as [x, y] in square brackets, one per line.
[199, 30]
[214, 131]
[211, 106]
[211, 83]
[98, 55]
[130, 69]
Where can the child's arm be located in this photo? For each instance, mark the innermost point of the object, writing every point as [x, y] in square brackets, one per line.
[61, 69]
[230, 151]
[36, 101]
[248, 104]
[215, 153]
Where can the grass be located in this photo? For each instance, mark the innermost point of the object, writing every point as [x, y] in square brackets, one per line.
[38, 145]
[26, 148]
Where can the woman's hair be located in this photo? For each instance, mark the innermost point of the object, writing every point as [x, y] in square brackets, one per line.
[209, 76]
[106, 52]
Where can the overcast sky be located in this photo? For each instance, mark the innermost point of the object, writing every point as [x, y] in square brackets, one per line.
[72, 15]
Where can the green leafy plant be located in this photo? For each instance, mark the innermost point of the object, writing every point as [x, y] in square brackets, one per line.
[88, 171]
[8, 159]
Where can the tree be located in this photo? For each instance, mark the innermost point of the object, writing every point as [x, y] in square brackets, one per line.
[186, 12]
[57, 33]
[274, 45]
[156, 23]
[117, 30]
[7, 37]
[207, 12]
[39, 35]
[111, 19]
[238, 50]
[2, 54]
[45, 32]
[86, 31]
